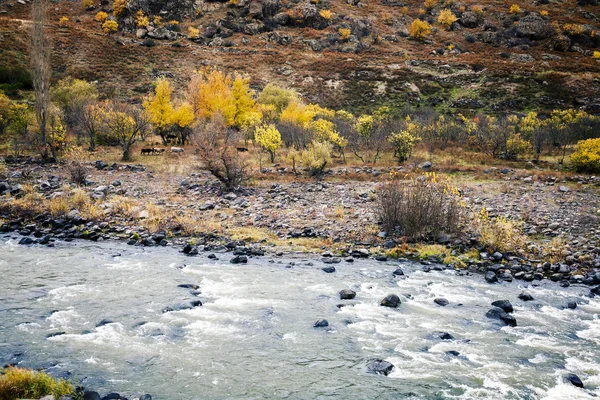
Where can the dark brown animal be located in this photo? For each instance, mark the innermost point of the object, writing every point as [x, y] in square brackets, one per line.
[242, 149]
[147, 151]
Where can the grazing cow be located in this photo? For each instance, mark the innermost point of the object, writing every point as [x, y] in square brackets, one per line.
[156, 150]
[147, 151]
[242, 149]
[176, 150]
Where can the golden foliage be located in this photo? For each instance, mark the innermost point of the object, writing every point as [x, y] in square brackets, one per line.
[119, 7]
[515, 9]
[101, 16]
[326, 14]
[419, 29]
[269, 138]
[447, 18]
[63, 22]
[141, 20]
[344, 33]
[587, 156]
[212, 92]
[110, 26]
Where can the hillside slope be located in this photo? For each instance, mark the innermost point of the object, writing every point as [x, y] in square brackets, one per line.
[352, 54]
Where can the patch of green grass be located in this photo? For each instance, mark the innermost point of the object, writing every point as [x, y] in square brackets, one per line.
[22, 383]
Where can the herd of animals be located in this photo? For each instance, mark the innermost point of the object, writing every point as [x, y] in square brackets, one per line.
[155, 150]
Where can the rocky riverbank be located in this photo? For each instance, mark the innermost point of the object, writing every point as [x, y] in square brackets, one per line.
[336, 217]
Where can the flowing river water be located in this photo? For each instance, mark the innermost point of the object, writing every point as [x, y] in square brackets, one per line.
[96, 309]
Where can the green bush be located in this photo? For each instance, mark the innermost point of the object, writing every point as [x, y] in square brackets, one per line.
[587, 156]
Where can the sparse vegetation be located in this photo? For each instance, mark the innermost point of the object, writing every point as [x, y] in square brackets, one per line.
[447, 18]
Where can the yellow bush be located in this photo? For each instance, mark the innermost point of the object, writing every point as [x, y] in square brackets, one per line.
[157, 21]
[110, 26]
[344, 33]
[517, 146]
[87, 4]
[573, 29]
[326, 14]
[596, 55]
[101, 16]
[63, 21]
[119, 7]
[404, 10]
[429, 4]
[419, 29]
[141, 20]
[544, 13]
[478, 10]
[515, 9]
[193, 33]
[18, 383]
[587, 155]
[447, 18]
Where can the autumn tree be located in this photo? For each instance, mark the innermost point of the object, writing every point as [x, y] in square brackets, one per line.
[19, 118]
[182, 119]
[73, 96]
[127, 124]
[277, 96]
[39, 54]
[214, 92]
[160, 109]
[4, 109]
[269, 138]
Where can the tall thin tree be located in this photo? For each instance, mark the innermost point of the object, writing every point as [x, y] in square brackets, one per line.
[39, 53]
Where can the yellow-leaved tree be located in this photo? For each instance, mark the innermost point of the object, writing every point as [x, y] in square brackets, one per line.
[213, 92]
[277, 96]
[160, 109]
[269, 138]
[183, 118]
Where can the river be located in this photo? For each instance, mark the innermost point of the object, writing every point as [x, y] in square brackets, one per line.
[96, 310]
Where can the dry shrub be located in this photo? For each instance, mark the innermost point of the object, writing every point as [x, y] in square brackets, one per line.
[78, 173]
[421, 206]
[216, 147]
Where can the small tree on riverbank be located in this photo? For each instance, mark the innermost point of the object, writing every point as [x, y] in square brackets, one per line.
[127, 124]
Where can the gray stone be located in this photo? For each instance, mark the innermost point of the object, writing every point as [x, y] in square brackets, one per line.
[391, 300]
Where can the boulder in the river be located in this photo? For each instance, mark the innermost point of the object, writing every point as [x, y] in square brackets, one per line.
[188, 286]
[596, 290]
[104, 322]
[572, 305]
[444, 335]
[91, 396]
[491, 277]
[525, 296]
[453, 353]
[380, 367]
[398, 272]
[575, 380]
[505, 305]
[391, 300]
[329, 270]
[239, 260]
[440, 301]
[321, 323]
[26, 241]
[112, 396]
[501, 315]
[381, 258]
[347, 294]
[146, 397]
